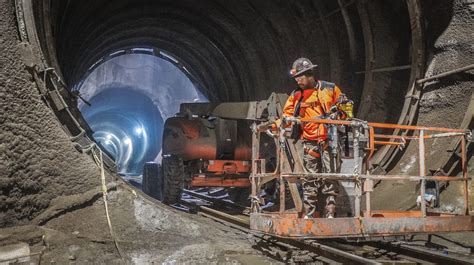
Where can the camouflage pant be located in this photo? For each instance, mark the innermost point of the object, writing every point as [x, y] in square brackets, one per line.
[312, 188]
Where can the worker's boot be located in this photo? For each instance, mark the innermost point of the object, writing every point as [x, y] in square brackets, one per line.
[330, 210]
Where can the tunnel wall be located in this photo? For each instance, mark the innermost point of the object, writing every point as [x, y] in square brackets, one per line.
[38, 162]
[237, 52]
[447, 102]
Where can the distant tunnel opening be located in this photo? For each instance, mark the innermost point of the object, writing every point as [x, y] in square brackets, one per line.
[125, 100]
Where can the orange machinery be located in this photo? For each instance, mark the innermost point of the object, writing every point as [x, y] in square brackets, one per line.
[228, 145]
[365, 222]
[215, 151]
[207, 145]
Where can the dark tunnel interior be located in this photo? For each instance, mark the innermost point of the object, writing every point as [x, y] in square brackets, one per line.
[244, 52]
[136, 61]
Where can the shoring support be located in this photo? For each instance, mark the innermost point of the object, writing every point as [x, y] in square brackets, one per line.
[422, 171]
[448, 73]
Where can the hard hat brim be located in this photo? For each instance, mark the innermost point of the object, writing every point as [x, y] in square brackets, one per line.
[311, 67]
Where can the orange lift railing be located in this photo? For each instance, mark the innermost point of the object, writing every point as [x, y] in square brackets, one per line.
[365, 222]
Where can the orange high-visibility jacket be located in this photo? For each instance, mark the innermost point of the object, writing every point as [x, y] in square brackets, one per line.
[316, 102]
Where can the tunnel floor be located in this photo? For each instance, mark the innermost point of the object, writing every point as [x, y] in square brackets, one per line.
[146, 233]
[151, 233]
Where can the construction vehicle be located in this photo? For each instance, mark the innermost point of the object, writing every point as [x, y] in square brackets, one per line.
[192, 148]
[205, 151]
[205, 145]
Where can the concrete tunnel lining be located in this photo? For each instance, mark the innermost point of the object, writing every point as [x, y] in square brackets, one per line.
[208, 48]
[243, 62]
[232, 50]
[381, 33]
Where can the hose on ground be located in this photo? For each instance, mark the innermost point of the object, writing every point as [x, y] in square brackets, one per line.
[98, 159]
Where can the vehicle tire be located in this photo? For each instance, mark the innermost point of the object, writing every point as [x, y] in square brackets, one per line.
[173, 179]
[152, 180]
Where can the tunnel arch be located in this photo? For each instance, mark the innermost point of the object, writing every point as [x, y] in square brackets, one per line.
[128, 89]
[264, 52]
[243, 52]
[233, 61]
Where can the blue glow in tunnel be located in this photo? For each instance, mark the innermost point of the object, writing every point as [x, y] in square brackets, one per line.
[131, 96]
[115, 122]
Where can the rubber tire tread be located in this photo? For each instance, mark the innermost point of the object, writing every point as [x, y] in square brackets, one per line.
[173, 179]
[152, 182]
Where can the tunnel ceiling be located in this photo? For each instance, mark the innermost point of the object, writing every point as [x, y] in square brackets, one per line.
[243, 51]
[375, 51]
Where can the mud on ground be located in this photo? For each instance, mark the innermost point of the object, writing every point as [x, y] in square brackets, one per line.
[146, 233]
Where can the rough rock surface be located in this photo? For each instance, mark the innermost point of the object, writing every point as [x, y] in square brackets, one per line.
[443, 102]
[146, 233]
[37, 160]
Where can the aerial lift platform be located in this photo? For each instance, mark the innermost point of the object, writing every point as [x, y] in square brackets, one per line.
[365, 222]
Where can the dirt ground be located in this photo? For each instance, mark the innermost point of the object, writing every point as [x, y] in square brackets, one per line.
[146, 233]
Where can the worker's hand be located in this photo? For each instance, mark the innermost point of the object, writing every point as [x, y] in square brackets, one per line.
[275, 125]
[342, 99]
[345, 107]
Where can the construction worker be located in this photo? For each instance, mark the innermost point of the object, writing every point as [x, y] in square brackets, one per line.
[315, 99]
